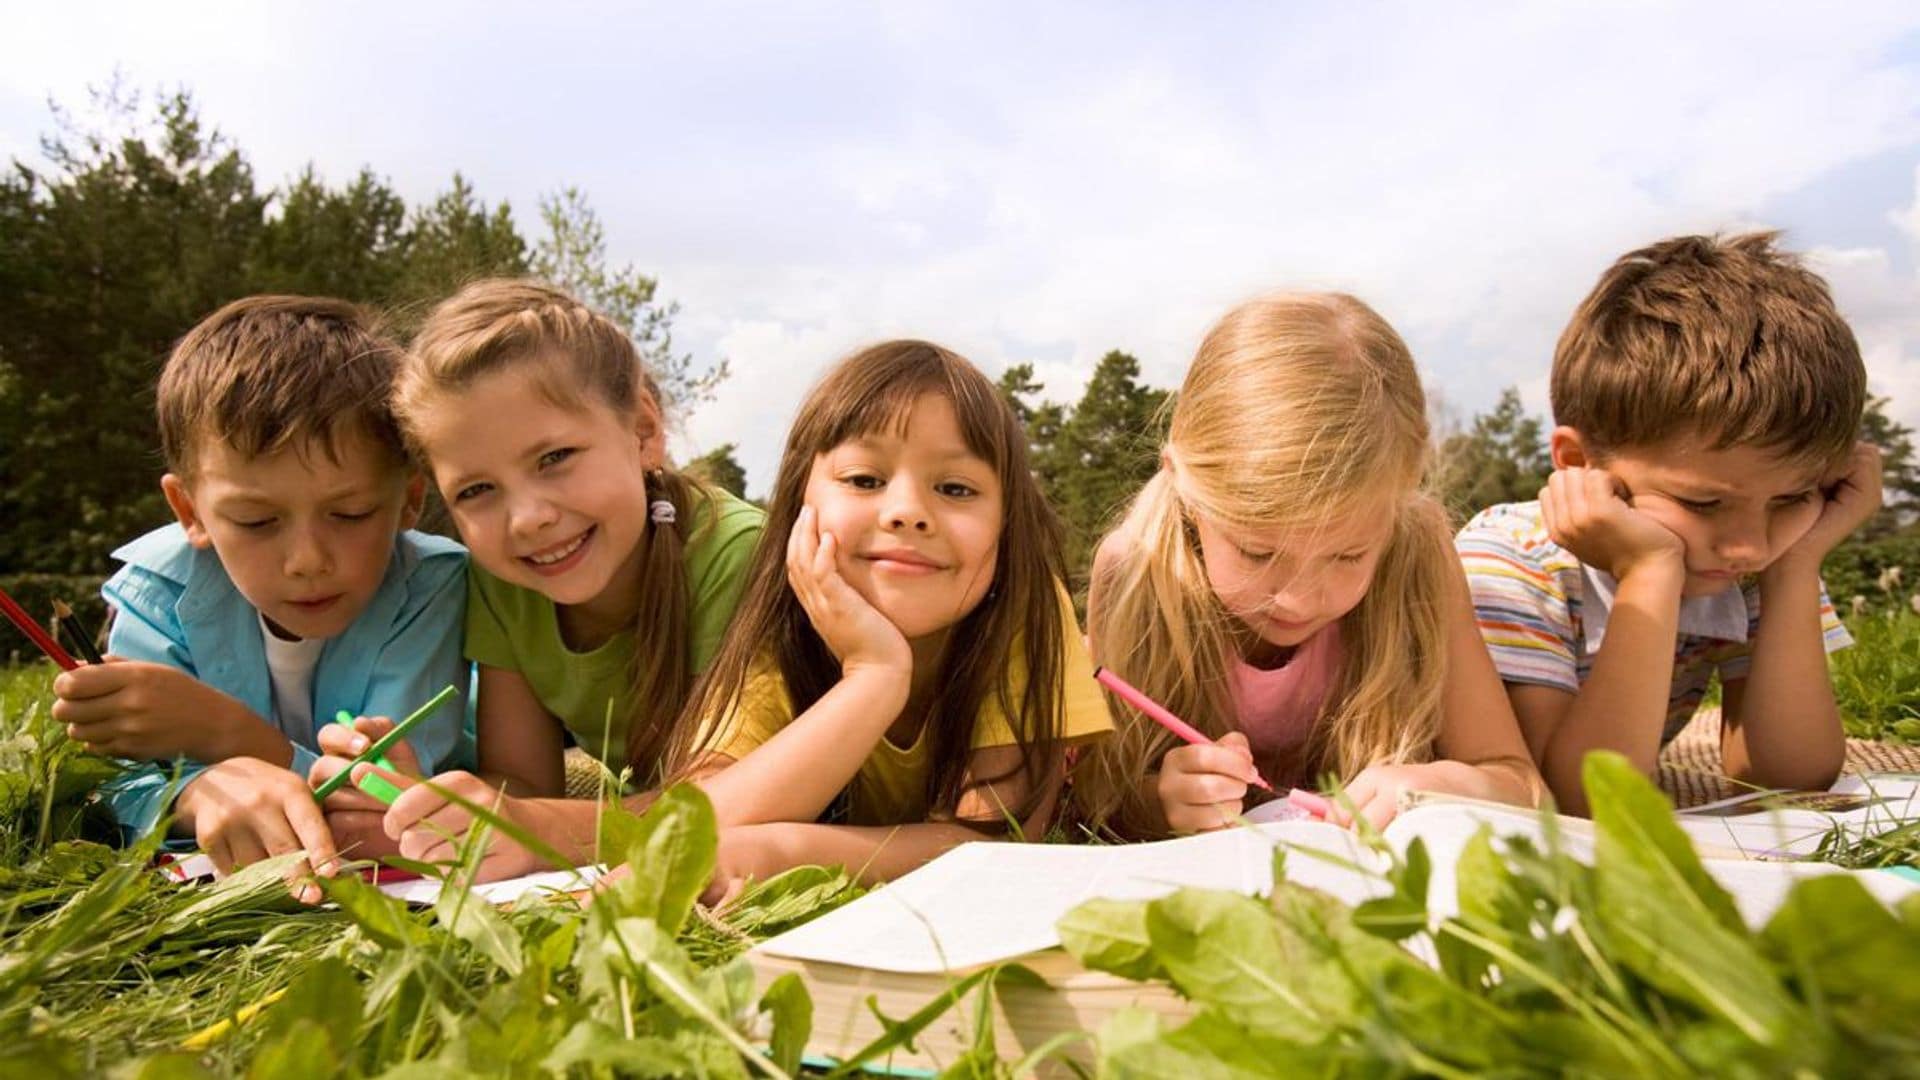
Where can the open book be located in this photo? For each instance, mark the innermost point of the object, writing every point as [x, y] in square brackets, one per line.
[986, 903]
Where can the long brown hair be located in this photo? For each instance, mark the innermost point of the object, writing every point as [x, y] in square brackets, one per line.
[576, 353]
[871, 391]
[1298, 409]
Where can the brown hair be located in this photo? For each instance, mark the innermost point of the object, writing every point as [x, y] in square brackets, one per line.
[874, 390]
[1299, 408]
[1727, 338]
[267, 372]
[575, 354]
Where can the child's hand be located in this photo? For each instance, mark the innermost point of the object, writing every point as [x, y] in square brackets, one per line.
[358, 820]
[748, 853]
[244, 810]
[1586, 511]
[1205, 787]
[852, 628]
[1375, 793]
[1851, 497]
[429, 827]
[135, 709]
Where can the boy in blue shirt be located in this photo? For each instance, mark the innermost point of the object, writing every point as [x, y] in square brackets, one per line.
[290, 588]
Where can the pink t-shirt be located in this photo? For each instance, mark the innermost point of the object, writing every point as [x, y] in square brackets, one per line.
[1277, 707]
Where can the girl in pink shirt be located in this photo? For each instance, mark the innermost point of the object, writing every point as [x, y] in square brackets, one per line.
[1285, 585]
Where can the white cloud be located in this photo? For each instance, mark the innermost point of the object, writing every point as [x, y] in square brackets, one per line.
[1047, 183]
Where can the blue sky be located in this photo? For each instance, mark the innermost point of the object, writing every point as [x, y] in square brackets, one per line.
[1045, 183]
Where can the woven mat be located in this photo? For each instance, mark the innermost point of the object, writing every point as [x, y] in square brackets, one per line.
[583, 774]
[1690, 765]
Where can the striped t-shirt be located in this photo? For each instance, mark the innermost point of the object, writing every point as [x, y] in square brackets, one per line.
[1527, 593]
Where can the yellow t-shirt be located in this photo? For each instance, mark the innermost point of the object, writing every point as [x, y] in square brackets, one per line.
[890, 788]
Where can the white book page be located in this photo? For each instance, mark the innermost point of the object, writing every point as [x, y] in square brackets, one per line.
[990, 901]
[427, 890]
[1785, 825]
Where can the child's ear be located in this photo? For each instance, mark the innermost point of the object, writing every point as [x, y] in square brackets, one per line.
[416, 499]
[180, 500]
[1569, 450]
[651, 429]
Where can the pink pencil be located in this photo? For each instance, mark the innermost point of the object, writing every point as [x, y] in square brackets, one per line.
[1158, 713]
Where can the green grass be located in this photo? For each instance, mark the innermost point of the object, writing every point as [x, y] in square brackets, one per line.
[108, 968]
[1877, 682]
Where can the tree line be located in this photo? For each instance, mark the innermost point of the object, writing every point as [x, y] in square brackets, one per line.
[123, 239]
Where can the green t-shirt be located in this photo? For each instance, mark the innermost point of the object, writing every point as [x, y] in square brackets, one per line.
[516, 628]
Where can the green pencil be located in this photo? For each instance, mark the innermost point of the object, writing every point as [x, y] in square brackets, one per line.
[385, 743]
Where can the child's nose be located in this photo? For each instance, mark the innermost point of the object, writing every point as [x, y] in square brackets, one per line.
[903, 512]
[528, 514]
[307, 556]
[1743, 544]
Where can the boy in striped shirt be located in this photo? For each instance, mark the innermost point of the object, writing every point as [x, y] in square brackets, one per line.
[1707, 398]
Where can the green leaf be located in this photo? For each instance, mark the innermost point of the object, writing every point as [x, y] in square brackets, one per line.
[480, 925]
[1667, 920]
[1223, 951]
[670, 859]
[1849, 954]
[592, 1043]
[790, 1008]
[1209, 1047]
[1111, 936]
[379, 916]
[325, 994]
[301, 1051]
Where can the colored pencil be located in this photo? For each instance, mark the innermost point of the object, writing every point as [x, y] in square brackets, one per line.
[384, 743]
[63, 615]
[19, 617]
[1159, 714]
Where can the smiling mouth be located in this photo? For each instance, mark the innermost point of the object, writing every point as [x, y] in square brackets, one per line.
[903, 560]
[559, 553]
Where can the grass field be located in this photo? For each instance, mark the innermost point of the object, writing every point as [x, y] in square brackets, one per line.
[1635, 965]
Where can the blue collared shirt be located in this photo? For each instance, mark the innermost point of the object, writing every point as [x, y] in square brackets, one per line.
[176, 605]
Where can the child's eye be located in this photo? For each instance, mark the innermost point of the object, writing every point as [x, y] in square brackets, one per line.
[863, 481]
[359, 515]
[1796, 499]
[471, 491]
[1254, 556]
[556, 456]
[954, 489]
[256, 524]
[1349, 556]
[1699, 506]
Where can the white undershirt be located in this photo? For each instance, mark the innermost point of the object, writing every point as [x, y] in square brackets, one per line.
[291, 664]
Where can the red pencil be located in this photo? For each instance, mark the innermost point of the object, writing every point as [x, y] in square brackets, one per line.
[1159, 714]
[32, 629]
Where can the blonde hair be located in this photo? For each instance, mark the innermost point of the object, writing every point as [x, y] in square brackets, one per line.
[1730, 339]
[874, 390]
[1299, 409]
[575, 355]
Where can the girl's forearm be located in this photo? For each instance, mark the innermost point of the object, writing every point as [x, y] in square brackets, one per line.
[795, 775]
[875, 854]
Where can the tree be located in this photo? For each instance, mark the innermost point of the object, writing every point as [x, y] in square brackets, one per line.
[719, 468]
[110, 254]
[454, 240]
[1502, 457]
[1900, 472]
[1104, 452]
[351, 243]
[573, 255]
[1042, 423]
